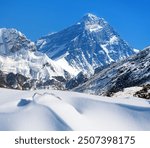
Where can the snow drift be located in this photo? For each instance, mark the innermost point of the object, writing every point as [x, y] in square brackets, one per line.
[53, 110]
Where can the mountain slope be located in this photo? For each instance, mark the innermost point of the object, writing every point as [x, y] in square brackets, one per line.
[18, 55]
[88, 44]
[134, 71]
[61, 110]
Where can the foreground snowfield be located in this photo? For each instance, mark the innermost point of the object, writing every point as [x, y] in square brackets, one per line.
[60, 110]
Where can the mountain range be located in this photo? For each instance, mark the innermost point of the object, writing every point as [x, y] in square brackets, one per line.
[88, 56]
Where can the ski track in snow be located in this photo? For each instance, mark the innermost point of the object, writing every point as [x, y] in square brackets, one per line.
[52, 110]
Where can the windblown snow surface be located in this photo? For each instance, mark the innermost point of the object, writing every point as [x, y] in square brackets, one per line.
[53, 110]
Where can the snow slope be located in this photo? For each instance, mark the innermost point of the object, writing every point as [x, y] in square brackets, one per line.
[62, 110]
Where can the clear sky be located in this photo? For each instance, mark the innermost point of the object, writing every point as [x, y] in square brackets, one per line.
[36, 18]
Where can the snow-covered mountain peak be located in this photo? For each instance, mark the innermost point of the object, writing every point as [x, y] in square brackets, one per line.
[12, 30]
[19, 56]
[12, 41]
[90, 17]
[88, 44]
[92, 23]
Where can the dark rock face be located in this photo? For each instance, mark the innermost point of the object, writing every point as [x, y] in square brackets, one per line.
[18, 81]
[59, 78]
[14, 81]
[11, 80]
[52, 83]
[144, 93]
[2, 80]
[76, 81]
[21, 79]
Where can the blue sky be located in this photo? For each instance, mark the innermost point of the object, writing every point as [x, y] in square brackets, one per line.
[35, 18]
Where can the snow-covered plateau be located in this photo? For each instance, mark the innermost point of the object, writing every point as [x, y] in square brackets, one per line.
[54, 110]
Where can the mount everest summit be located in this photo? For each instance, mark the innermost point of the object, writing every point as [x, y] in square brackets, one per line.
[62, 58]
[88, 44]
